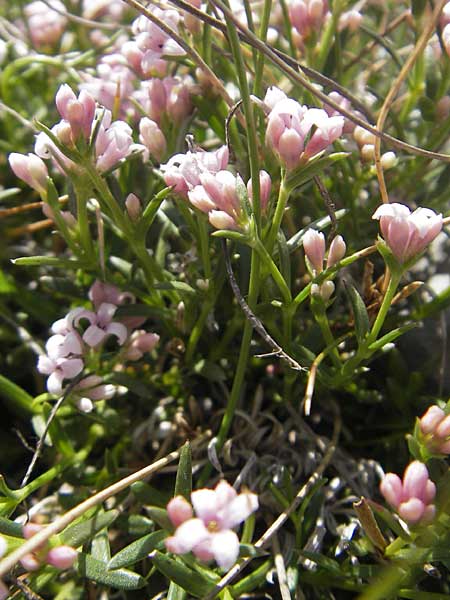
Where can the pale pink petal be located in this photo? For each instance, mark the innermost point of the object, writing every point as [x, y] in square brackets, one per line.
[412, 510]
[72, 344]
[238, 510]
[392, 489]
[225, 493]
[54, 383]
[225, 548]
[415, 480]
[30, 563]
[71, 367]
[189, 534]
[105, 313]
[203, 550]
[431, 419]
[119, 330]
[93, 336]
[443, 429]
[46, 365]
[205, 504]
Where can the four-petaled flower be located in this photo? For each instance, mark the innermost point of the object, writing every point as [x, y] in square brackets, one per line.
[209, 535]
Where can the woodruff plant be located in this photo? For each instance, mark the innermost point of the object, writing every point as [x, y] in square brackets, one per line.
[213, 174]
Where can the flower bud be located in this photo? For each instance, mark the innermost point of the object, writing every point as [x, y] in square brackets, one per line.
[368, 153]
[179, 510]
[446, 38]
[337, 251]
[133, 206]
[30, 169]
[62, 557]
[152, 137]
[314, 247]
[327, 290]
[265, 184]
[388, 160]
[221, 220]
[363, 137]
[79, 112]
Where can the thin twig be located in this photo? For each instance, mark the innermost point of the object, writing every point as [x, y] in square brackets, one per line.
[41, 440]
[301, 495]
[230, 115]
[329, 205]
[277, 350]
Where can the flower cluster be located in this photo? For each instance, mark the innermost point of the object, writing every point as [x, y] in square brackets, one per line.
[407, 233]
[307, 16]
[61, 557]
[45, 25]
[314, 247]
[69, 349]
[435, 428]
[413, 497]
[209, 535]
[297, 133]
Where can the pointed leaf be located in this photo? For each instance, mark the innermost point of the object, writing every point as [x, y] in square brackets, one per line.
[391, 336]
[137, 550]
[183, 483]
[360, 314]
[178, 572]
[175, 592]
[78, 534]
[97, 570]
[305, 173]
[16, 395]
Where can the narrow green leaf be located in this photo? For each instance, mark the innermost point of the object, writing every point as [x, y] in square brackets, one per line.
[175, 592]
[159, 515]
[97, 570]
[78, 534]
[178, 286]
[391, 336]
[179, 573]
[151, 209]
[299, 176]
[18, 397]
[100, 548]
[147, 494]
[137, 550]
[11, 528]
[47, 261]
[360, 314]
[183, 482]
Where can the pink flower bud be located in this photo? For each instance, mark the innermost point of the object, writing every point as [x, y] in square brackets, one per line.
[431, 419]
[30, 563]
[179, 510]
[265, 185]
[133, 206]
[78, 112]
[62, 557]
[337, 251]
[446, 38]
[31, 529]
[443, 108]
[31, 169]
[435, 428]
[314, 247]
[222, 220]
[152, 137]
[413, 497]
[350, 20]
[327, 290]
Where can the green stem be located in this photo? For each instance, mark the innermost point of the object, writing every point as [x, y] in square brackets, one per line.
[204, 247]
[236, 389]
[274, 271]
[252, 142]
[385, 305]
[257, 85]
[320, 315]
[283, 197]
[326, 38]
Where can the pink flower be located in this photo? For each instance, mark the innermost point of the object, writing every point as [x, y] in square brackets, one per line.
[183, 171]
[210, 534]
[62, 361]
[61, 557]
[78, 112]
[30, 169]
[45, 25]
[101, 325]
[407, 234]
[113, 142]
[106, 292]
[289, 125]
[413, 497]
[435, 428]
[308, 15]
[92, 389]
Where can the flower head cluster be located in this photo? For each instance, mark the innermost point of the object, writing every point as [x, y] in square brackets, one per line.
[78, 112]
[82, 331]
[45, 25]
[155, 43]
[308, 15]
[209, 535]
[407, 233]
[413, 497]
[168, 97]
[297, 133]
[314, 247]
[435, 429]
[61, 557]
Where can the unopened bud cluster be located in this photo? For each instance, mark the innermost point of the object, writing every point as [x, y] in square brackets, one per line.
[314, 247]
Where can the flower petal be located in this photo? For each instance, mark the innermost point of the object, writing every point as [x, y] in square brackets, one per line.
[238, 510]
[93, 336]
[119, 330]
[205, 504]
[225, 547]
[189, 534]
